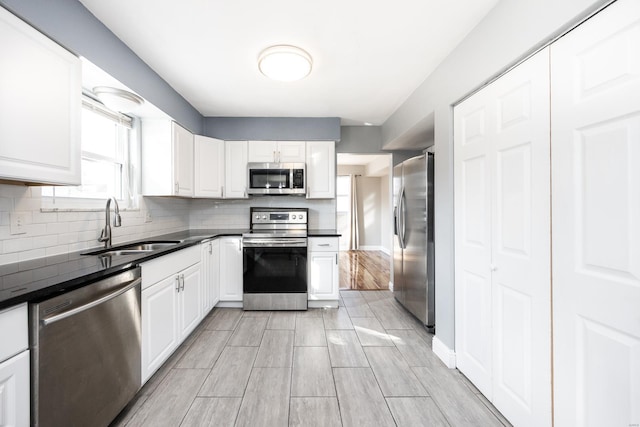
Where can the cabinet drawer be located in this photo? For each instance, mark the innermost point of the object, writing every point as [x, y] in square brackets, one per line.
[14, 335]
[323, 244]
[157, 269]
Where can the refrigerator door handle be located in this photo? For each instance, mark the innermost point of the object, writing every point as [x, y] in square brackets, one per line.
[395, 220]
[402, 214]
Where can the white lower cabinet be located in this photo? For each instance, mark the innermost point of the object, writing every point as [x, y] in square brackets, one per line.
[189, 299]
[210, 265]
[171, 305]
[231, 269]
[323, 269]
[14, 391]
[14, 367]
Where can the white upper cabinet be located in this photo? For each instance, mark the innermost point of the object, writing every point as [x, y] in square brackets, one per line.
[40, 102]
[321, 169]
[262, 151]
[277, 151]
[167, 159]
[209, 167]
[236, 170]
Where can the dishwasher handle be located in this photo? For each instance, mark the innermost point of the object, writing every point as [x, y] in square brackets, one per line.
[84, 307]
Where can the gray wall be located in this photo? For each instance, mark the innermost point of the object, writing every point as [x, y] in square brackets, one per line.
[273, 128]
[360, 140]
[74, 27]
[511, 30]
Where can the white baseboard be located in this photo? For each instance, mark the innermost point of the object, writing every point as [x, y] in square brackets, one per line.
[322, 303]
[385, 250]
[445, 354]
[390, 285]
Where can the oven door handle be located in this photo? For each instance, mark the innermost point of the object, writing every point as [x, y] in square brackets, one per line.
[274, 243]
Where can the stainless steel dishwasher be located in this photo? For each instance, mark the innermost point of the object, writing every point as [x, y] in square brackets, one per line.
[85, 352]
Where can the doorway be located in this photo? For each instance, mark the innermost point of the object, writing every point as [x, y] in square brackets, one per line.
[364, 219]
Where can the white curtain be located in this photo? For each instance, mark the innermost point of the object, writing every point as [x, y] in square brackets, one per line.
[354, 241]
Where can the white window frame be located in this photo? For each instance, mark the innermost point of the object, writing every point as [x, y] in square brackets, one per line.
[129, 158]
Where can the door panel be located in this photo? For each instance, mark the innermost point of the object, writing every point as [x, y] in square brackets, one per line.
[595, 74]
[503, 331]
[521, 245]
[472, 136]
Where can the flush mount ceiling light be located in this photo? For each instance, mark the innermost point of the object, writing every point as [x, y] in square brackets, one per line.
[285, 63]
[118, 99]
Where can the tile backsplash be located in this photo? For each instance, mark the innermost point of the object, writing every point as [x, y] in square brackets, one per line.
[235, 213]
[51, 233]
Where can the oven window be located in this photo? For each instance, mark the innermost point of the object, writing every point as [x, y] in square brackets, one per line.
[269, 178]
[275, 270]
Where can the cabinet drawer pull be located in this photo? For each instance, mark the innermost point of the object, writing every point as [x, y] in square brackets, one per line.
[324, 244]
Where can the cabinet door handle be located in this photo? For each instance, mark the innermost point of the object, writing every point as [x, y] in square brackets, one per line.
[245, 192]
[274, 157]
[177, 280]
[210, 248]
[177, 188]
[323, 244]
[336, 259]
[221, 191]
[182, 278]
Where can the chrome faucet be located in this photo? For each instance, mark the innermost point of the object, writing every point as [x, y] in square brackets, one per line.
[105, 235]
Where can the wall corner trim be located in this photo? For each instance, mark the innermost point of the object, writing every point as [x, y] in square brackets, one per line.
[445, 354]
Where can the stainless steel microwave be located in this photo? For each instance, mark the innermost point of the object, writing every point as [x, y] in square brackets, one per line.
[276, 178]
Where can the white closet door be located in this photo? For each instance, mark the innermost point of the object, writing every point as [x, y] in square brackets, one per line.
[596, 220]
[503, 330]
[472, 137]
[521, 279]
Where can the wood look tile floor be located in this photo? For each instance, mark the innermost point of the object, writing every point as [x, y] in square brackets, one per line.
[367, 363]
[364, 270]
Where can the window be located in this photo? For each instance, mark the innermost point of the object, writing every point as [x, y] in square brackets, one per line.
[106, 167]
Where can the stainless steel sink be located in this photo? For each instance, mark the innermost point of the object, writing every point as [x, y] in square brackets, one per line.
[135, 248]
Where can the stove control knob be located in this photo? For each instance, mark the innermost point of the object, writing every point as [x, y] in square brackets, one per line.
[264, 217]
[294, 217]
[257, 216]
[301, 216]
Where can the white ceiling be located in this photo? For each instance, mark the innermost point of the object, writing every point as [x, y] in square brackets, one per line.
[369, 55]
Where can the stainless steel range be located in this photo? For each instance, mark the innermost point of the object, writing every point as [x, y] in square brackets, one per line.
[275, 259]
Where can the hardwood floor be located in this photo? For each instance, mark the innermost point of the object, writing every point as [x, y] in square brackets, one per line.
[364, 270]
[367, 363]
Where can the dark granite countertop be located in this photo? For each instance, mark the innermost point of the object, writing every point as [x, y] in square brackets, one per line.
[42, 278]
[328, 232]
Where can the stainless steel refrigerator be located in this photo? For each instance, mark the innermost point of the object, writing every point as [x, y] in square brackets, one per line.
[413, 252]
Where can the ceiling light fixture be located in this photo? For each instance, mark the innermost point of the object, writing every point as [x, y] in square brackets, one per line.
[285, 63]
[118, 99]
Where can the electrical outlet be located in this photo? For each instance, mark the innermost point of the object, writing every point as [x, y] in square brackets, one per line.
[18, 222]
[147, 217]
